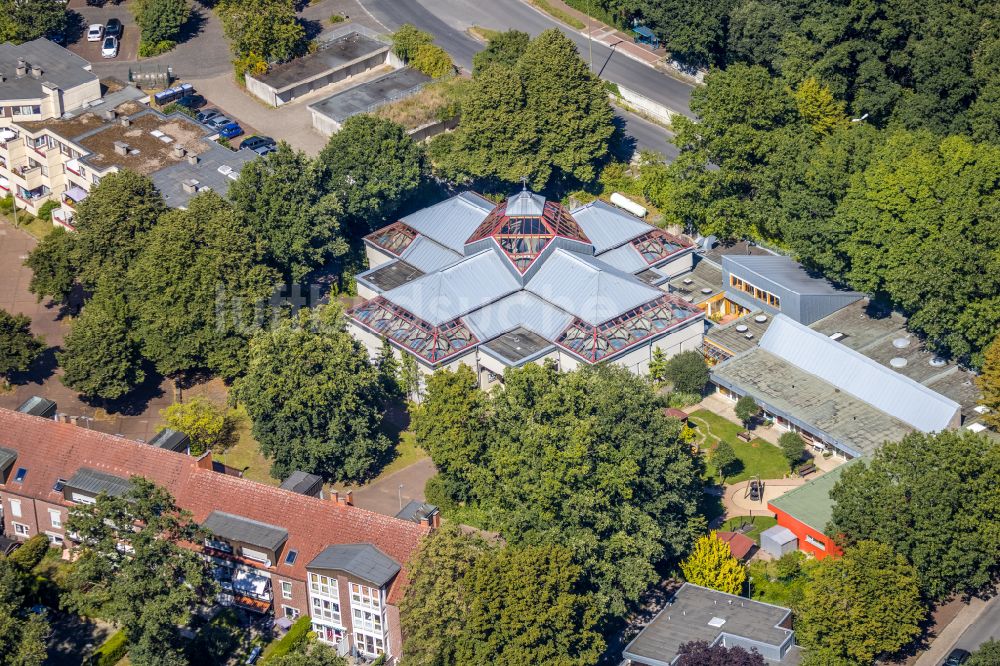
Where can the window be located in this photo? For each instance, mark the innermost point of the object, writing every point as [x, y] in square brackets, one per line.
[55, 517]
[54, 539]
[323, 585]
[21, 473]
[15, 508]
[367, 621]
[369, 644]
[325, 609]
[815, 542]
[290, 557]
[60, 484]
[82, 499]
[290, 613]
[365, 596]
[756, 292]
[21, 530]
[286, 589]
[328, 634]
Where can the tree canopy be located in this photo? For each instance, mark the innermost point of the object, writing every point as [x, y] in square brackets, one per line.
[208, 426]
[859, 606]
[711, 564]
[18, 347]
[161, 20]
[989, 383]
[53, 265]
[687, 371]
[583, 459]
[315, 399]
[25, 20]
[23, 634]
[262, 31]
[504, 48]
[700, 653]
[933, 498]
[130, 567]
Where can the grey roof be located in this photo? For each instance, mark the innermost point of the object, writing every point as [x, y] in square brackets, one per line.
[625, 258]
[779, 534]
[428, 255]
[607, 226]
[172, 440]
[331, 55]
[686, 618]
[366, 97]
[94, 482]
[525, 204]
[452, 221]
[733, 341]
[517, 346]
[7, 458]
[854, 373]
[37, 406]
[460, 288]
[415, 511]
[704, 275]
[237, 528]
[303, 483]
[519, 309]
[592, 290]
[389, 275]
[785, 272]
[60, 67]
[361, 560]
[169, 180]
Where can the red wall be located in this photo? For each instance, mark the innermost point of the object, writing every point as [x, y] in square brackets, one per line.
[800, 530]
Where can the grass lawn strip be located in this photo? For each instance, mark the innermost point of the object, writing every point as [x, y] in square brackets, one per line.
[759, 457]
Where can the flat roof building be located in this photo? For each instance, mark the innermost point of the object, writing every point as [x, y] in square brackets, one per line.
[498, 286]
[696, 613]
[329, 114]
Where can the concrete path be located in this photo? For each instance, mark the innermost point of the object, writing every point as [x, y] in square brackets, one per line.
[738, 504]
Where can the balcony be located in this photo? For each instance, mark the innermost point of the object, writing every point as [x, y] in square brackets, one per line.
[63, 218]
[31, 177]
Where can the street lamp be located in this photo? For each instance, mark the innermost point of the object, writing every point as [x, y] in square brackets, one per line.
[858, 120]
[399, 492]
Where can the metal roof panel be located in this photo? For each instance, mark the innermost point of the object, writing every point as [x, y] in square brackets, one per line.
[608, 227]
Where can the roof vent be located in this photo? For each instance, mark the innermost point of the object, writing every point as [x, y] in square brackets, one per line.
[716, 622]
[706, 290]
[836, 337]
[110, 114]
[748, 336]
[689, 299]
[901, 343]
[190, 186]
[36, 72]
[741, 328]
[898, 362]
[126, 121]
[688, 281]
[760, 319]
[937, 362]
[179, 151]
[121, 147]
[192, 159]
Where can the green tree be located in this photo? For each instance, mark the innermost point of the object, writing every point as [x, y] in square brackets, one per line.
[388, 370]
[268, 29]
[409, 377]
[700, 653]
[284, 206]
[196, 288]
[407, 41]
[658, 366]
[209, 427]
[792, 447]
[53, 266]
[112, 223]
[433, 61]
[504, 48]
[25, 20]
[818, 107]
[988, 382]
[22, 634]
[315, 399]
[687, 371]
[933, 498]
[161, 20]
[859, 606]
[988, 654]
[30, 553]
[372, 166]
[583, 459]
[525, 608]
[100, 357]
[724, 458]
[434, 611]
[18, 347]
[711, 564]
[309, 653]
[746, 410]
[693, 32]
[133, 570]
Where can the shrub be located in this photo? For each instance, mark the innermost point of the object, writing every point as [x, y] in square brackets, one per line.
[30, 553]
[45, 211]
[251, 63]
[150, 49]
[7, 204]
[433, 61]
[297, 634]
[746, 409]
[687, 371]
[337, 18]
[407, 40]
[110, 653]
[174, 108]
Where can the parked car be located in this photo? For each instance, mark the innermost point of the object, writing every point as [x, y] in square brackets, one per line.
[205, 115]
[217, 122]
[230, 131]
[956, 657]
[94, 32]
[254, 655]
[110, 47]
[256, 142]
[191, 102]
[113, 28]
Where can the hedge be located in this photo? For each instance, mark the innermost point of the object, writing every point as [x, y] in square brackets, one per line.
[298, 633]
[110, 653]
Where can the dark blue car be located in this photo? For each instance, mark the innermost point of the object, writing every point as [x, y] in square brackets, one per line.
[230, 130]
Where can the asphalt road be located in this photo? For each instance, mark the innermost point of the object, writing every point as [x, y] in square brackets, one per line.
[985, 628]
[448, 21]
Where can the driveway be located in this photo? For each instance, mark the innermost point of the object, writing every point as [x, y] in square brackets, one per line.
[390, 494]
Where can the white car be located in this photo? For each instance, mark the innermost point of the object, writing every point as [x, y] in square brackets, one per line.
[110, 48]
[95, 32]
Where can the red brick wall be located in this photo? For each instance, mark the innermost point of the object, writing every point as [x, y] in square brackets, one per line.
[800, 530]
[28, 515]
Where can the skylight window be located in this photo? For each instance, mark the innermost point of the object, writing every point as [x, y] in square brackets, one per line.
[60, 484]
[290, 557]
[21, 473]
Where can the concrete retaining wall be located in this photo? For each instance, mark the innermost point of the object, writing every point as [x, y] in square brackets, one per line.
[644, 104]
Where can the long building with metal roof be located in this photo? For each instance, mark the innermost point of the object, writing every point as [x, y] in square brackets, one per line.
[500, 285]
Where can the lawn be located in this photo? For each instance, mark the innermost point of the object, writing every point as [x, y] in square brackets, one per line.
[756, 457]
[407, 453]
[245, 453]
[760, 523]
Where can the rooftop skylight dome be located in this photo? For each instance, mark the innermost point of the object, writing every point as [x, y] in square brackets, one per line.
[524, 225]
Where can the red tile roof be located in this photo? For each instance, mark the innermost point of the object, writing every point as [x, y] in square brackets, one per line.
[50, 450]
[740, 545]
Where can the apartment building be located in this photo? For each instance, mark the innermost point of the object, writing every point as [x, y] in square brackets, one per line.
[273, 551]
[41, 80]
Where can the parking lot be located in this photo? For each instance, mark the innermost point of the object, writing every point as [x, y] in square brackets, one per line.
[128, 49]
